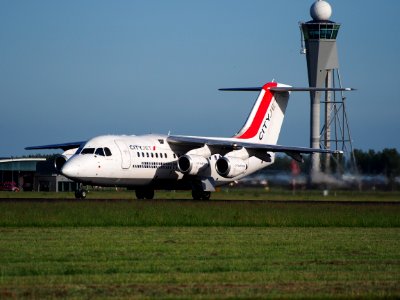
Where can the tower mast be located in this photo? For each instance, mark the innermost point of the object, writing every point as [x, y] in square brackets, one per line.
[319, 36]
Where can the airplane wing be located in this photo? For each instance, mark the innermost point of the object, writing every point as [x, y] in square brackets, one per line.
[63, 146]
[235, 144]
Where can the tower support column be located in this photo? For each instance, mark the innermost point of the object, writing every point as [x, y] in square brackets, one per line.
[321, 53]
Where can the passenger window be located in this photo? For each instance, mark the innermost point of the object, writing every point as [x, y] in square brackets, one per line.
[160, 155]
[107, 151]
[165, 155]
[88, 151]
[138, 154]
[99, 151]
[147, 154]
[142, 154]
[152, 155]
[156, 155]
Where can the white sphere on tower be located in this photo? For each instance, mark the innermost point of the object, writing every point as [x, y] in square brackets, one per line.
[321, 11]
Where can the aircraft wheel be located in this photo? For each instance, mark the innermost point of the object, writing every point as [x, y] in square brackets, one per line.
[144, 194]
[149, 194]
[139, 194]
[206, 196]
[200, 195]
[80, 194]
[196, 195]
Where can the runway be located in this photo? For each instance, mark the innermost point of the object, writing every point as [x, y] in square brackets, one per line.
[211, 201]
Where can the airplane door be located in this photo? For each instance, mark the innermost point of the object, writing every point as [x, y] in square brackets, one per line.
[125, 154]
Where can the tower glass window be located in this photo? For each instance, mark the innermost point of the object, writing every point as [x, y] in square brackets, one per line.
[318, 31]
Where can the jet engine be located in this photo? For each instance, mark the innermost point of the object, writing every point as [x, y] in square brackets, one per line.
[59, 162]
[230, 167]
[192, 164]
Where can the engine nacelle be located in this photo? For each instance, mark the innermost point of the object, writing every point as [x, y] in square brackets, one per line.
[230, 167]
[192, 164]
[59, 162]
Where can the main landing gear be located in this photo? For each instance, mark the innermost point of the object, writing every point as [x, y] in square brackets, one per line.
[201, 195]
[144, 194]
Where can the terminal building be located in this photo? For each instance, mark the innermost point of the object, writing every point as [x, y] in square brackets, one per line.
[32, 174]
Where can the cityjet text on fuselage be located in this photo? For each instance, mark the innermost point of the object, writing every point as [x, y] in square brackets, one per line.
[143, 148]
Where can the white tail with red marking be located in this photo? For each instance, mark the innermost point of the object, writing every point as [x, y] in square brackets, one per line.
[266, 117]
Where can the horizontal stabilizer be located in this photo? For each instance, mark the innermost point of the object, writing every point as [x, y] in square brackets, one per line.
[248, 89]
[309, 89]
[288, 89]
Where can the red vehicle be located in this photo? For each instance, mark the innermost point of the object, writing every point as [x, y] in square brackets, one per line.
[10, 186]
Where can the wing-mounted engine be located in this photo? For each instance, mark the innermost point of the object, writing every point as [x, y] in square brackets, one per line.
[61, 159]
[230, 167]
[233, 164]
[195, 162]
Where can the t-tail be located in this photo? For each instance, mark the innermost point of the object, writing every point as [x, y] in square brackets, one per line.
[264, 123]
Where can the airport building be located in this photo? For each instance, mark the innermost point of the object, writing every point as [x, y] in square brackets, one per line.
[32, 174]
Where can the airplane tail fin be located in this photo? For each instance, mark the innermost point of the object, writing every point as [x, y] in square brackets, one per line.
[264, 123]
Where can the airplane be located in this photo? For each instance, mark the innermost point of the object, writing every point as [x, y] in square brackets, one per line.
[150, 162]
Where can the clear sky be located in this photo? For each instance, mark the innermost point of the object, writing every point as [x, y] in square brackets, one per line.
[71, 70]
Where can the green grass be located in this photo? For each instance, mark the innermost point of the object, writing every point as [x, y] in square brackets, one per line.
[124, 249]
[199, 262]
[202, 213]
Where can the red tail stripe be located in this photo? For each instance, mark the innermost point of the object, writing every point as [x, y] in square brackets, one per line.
[261, 112]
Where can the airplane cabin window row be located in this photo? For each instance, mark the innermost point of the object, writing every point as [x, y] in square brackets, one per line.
[156, 165]
[152, 154]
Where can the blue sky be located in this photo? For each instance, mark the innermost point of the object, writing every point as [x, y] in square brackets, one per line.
[71, 70]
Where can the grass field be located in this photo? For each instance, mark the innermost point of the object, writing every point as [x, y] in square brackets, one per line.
[205, 250]
[198, 262]
[197, 213]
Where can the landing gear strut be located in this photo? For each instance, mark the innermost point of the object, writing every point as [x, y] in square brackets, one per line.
[201, 195]
[144, 194]
[81, 193]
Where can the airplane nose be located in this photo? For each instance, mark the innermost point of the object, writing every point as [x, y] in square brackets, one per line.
[69, 170]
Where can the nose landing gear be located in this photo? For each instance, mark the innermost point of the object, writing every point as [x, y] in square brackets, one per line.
[144, 194]
[81, 193]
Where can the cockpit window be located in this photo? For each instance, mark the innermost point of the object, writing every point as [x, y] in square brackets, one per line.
[79, 149]
[107, 151]
[88, 151]
[99, 151]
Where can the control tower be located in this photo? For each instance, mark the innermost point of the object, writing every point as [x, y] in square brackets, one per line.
[319, 45]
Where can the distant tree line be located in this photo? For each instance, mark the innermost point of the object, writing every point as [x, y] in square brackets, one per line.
[385, 162]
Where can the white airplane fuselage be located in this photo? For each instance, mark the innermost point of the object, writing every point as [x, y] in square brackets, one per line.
[146, 160]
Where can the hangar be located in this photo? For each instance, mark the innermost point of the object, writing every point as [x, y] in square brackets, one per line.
[33, 174]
